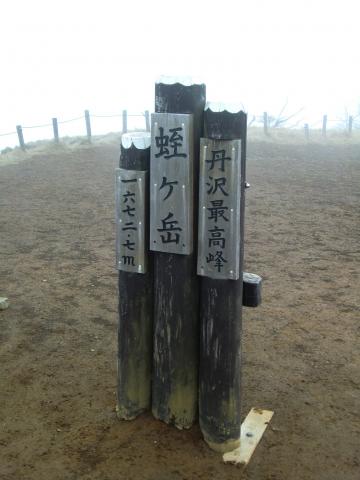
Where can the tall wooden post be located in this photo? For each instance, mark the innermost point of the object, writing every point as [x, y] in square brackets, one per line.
[20, 137]
[124, 121]
[266, 124]
[55, 130]
[135, 332]
[88, 125]
[176, 329]
[220, 262]
[307, 132]
[147, 120]
[324, 124]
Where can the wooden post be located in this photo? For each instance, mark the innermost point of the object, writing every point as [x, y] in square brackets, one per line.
[266, 126]
[88, 125]
[324, 124]
[176, 316]
[124, 121]
[306, 130]
[20, 136]
[350, 125]
[56, 130]
[135, 332]
[147, 120]
[222, 158]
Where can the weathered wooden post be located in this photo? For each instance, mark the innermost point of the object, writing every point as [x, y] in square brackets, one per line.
[88, 125]
[135, 332]
[20, 137]
[124, 121]
[350, 125]
[266, 124]
[55, 130]
[220, 263]
[307, 132]
[147, 120]
[324, 124]
[176, 131]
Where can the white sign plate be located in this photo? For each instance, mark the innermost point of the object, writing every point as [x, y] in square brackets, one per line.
[130, 195]
[219, 209]
[171, 183]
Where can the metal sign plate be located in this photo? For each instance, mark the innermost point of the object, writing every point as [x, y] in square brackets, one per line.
[219, 209]
[130, 195]
[171, 183]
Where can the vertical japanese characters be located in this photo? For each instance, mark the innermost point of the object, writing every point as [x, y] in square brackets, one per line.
[171, 183]
[219, 208]
[130, 211]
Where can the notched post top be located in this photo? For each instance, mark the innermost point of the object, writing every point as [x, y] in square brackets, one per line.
[224, 107]
[140, 140]
[180, 95]
[224, 121]
[184, 80]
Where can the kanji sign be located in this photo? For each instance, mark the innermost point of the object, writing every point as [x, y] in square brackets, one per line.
[130, 195]
[219, 209]
[171, 183]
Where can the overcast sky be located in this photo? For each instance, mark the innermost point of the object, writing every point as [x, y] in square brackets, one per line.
[60, 57]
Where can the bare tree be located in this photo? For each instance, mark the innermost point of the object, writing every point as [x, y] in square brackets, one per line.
[250, 122]
[283, 117]
[344, 120]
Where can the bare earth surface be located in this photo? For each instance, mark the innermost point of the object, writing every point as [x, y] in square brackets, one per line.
[58, 338]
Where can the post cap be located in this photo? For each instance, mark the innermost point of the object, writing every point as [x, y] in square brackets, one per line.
[185, 80]
[140, 140]
[224, 107]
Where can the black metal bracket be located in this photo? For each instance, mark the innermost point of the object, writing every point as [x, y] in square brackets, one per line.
[251, 290]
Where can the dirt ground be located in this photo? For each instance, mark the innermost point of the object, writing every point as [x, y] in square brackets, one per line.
[58, 338]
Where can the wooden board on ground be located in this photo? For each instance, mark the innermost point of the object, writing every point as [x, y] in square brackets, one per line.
[252, 429]
[3, 303]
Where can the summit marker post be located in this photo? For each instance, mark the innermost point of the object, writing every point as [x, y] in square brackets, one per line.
[220, 264]
[176, 130]
[135, 330]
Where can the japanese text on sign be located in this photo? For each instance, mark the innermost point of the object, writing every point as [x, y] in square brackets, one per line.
[219, 209]
[130, 220]
[171, 183]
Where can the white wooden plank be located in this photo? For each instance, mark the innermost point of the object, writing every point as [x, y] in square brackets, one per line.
[3, 303]
[252, 429]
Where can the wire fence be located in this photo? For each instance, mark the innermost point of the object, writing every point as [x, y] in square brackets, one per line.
[71, 120]
[268, 122]
[87, 118]
[7, 134]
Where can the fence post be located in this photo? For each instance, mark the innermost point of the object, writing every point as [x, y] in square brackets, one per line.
[350, 125]
[88, 125]
[56, 130]
[221, 288]
[124, 121]
[176, 291]
[135, 332]
[306, 130]
[324, 124]
[20, 136]
[147, 120]
[266, 125]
